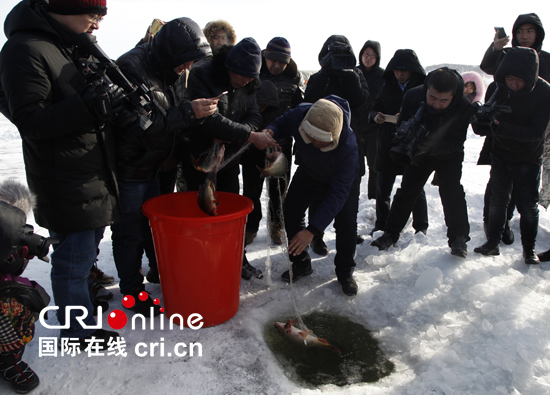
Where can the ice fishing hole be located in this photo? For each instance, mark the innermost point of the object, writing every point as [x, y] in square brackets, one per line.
[361, 361]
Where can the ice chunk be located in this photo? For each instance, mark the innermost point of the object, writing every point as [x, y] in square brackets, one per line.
[486, 326]
[430, 279]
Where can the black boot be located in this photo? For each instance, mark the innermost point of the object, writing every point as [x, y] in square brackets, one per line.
[508, 234]
[489, 248]
[248, 270]
[16, 372]
[385, 241]
[349, 286]
[318, 246]
[458, 247]
[299, 269]
[544, 256]
[530, 255]
[153, 275]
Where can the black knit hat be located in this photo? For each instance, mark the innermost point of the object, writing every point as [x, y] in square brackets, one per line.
[245, 58]
[77, 7]
[278, 49]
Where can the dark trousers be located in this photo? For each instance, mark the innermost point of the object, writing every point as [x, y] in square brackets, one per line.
[301, 192]
[524, 179]
[370, 144]
[131, 235]
[451, 192]
[383, 204]
[487, 203]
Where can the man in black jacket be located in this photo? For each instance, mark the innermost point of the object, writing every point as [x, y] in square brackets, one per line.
[403, 73]
[338, 76]
[518, 143]
[526, 32]
[278, 68]
[235, 70]
[67, 144]
[439, 115]
[143, 154]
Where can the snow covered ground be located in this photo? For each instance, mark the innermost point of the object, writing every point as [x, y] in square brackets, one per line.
[478, 325]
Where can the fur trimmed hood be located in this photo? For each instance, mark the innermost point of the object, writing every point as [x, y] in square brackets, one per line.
[477, 79]
[18, 195]
[212, 27]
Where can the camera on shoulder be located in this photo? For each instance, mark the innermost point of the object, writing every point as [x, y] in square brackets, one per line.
[339, 57]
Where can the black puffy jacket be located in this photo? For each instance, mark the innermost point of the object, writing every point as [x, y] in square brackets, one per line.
[69, 156]
[389, 102]
[141, 153]
[492, 59]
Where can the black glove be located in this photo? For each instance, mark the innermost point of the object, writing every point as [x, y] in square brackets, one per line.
[103, 101]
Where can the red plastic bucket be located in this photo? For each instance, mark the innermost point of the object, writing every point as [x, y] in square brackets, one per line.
[199, 256]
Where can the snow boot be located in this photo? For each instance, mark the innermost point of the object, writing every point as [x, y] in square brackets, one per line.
[349, 286]
[490, 248]
[530, 256]
[99, 277]
[318, 246]
[299, 269]
[385, 241]
[275, 233]
[544, 256]
[248, 270]
[458, 247]
[16, 372]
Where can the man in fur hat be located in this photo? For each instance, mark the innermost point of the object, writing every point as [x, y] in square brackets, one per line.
[328, 170]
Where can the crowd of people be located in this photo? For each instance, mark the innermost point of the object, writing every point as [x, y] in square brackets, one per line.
[101, 137]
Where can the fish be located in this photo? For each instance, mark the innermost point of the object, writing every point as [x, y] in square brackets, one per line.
[277, 167]
[207, 198]
[304, 338]
[210, 160]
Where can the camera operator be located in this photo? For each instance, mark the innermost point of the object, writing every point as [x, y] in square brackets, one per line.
[21, 299]
[68, 148]
[445, 118]
[338, 76]
[143, 154]
[518, 143]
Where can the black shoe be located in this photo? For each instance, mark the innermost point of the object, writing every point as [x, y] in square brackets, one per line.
[458, 247]
[144, 306]
[544, 256]
[248, 271]
[508, 234]
[153, 275]
[299, 270]
[530, 256]
[100, 293]
[318, 246]
[374, 230]
[489, 248]
[360, 239]
[425, 231]
[385, 241]
[16, 372]
[349, 286]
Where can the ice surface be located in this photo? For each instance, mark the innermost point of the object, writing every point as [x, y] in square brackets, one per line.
[451, 326]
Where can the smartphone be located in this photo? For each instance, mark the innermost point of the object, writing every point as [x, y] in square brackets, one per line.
[501, 32]
[221, 94]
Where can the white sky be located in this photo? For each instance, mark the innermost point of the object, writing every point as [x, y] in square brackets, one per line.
[439, 31]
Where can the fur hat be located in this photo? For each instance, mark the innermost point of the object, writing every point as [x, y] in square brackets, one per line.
[212, 27]
[323, 122]
[77, 7]
[245, 58]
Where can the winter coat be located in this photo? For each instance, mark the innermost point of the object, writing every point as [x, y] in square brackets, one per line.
[347, 84]
[238, 113]
[447, 128]
[519, 136]
[492, 58]
[389, 102]
[141, 153]
[69, 155]
[375, 80]
[337, 168]
[290, 87]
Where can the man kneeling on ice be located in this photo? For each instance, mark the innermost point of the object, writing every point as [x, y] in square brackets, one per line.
[328, 167]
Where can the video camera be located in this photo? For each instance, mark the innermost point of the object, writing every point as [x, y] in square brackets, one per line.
[486, 113]
[104, 73]
[339, 57]
[407, 137]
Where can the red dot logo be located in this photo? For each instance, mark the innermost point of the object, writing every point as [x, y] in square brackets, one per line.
[143, 296]
[117, 319]
[128, 301]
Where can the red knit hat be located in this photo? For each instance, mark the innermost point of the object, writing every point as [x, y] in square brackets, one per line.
[77, 7]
